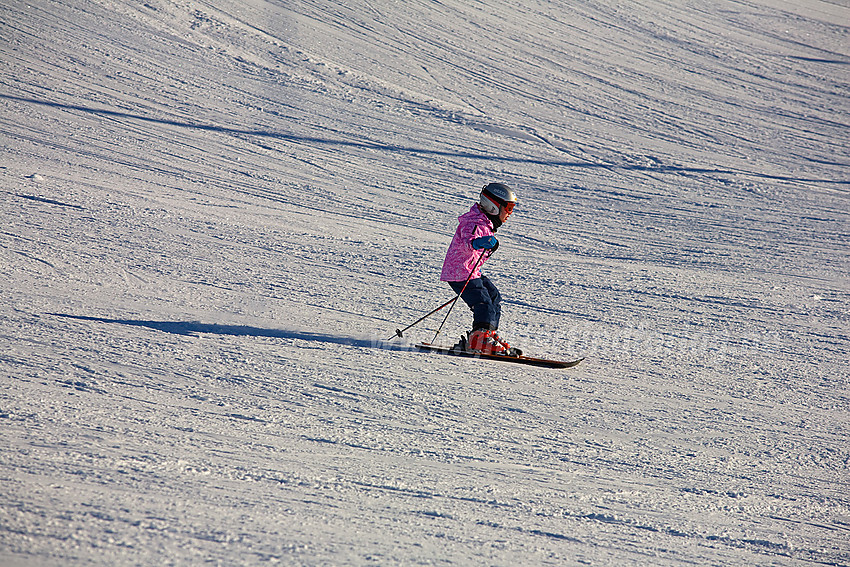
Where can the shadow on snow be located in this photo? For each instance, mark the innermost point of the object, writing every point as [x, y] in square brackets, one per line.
[194, 328]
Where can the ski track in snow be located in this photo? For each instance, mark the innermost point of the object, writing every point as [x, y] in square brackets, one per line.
[216, 213]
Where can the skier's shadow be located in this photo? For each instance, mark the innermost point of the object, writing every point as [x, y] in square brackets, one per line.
[195, 328]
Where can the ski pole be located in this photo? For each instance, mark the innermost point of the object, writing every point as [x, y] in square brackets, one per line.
[398, 332]
[466, 283]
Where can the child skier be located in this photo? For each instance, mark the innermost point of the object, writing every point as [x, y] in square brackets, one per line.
[472, 245]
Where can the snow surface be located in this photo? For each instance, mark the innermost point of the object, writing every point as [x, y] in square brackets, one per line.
[214, 213]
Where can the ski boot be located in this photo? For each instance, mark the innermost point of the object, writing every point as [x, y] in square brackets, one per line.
[488, 342]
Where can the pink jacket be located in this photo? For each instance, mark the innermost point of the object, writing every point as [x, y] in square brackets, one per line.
[461, 257]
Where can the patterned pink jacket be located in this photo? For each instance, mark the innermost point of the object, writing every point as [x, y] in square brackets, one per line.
[461, 257]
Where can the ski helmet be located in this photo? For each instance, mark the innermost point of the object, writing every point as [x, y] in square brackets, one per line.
[494, 196]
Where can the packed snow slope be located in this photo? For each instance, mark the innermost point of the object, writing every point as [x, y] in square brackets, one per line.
[214, 213]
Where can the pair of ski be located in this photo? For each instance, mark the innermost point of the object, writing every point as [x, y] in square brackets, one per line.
[515, 358]
[461, 349]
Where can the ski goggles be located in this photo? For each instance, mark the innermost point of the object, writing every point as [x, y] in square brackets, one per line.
[509, 207]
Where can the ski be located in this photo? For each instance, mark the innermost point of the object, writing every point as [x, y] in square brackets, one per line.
[521, 359]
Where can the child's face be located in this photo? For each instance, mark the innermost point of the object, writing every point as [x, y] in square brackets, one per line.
[505, 211]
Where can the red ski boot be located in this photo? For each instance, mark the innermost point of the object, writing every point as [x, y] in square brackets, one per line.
[488, 342]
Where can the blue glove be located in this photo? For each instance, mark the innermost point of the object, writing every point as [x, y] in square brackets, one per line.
[486, 242]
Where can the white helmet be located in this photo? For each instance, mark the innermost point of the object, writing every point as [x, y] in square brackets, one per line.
[495, 196]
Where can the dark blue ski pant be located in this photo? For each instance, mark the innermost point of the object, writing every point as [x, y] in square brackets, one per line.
[484, 300]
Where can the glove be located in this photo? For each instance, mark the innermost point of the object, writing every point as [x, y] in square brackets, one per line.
[486, 242]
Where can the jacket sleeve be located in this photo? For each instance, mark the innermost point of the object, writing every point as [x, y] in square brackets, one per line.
[468, 233]
[480, 231]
